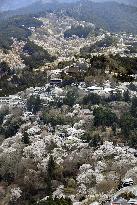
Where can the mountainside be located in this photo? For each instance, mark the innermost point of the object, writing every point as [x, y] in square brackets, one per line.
[48, 24]
[111, 16]
[15, 4]
[129, 2]
[68, 103]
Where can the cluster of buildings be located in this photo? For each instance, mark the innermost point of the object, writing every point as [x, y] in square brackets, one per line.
[126, 196]
[55, 90]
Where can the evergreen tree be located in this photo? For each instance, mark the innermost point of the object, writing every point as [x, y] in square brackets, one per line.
[71, 97]
[34, 104]
[126, 96]
[104, 117]
[92, 98]
[127, 124]
[134, 107]
[25, 138]
[50, 175]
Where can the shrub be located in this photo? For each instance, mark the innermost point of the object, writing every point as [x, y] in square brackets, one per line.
[56, 201]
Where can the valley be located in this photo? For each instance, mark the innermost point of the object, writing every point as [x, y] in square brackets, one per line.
[68, 104]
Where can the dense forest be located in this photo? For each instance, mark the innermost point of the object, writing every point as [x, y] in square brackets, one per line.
[80, 31]
[111, 16]
[37, 56]
[123, 69]
[104, 43]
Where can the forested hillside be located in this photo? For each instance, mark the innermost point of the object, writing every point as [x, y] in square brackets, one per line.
[16, 27]
[111, 16]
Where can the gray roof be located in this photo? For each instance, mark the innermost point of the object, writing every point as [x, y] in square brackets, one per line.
[121, 201]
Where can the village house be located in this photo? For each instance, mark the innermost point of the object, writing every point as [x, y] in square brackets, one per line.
[4, 100]
[132, 202]
[119, 201]
[56, 81]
